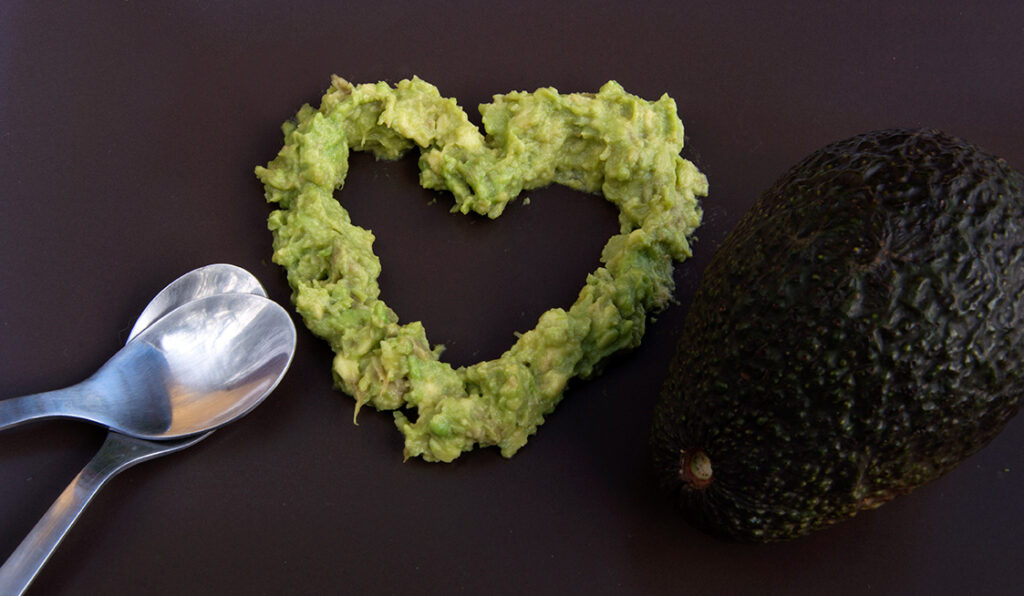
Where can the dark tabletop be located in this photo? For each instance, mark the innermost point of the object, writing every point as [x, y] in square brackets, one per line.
[128, 136]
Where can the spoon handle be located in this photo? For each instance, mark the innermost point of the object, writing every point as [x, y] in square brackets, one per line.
[48, 404]
[118, 453]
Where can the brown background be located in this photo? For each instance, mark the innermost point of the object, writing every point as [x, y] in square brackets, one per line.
[128, 134]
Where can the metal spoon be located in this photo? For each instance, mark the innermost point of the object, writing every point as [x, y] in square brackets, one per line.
[160, 385]
[118, 453]
[219, 278]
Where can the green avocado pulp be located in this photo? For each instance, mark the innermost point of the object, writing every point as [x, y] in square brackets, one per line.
[612, 143]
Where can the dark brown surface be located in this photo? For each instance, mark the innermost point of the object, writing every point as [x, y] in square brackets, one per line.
[128, 134]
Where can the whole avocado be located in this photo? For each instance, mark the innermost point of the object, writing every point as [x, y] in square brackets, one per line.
[858, 334]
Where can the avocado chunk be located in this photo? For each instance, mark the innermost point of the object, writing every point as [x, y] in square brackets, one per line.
[858, 334]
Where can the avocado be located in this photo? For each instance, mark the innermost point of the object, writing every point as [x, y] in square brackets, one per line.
[858, 334]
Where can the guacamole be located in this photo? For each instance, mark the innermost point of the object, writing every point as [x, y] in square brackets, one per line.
[612, 143]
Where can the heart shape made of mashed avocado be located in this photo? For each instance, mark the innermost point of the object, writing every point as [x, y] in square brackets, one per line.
[612, 143]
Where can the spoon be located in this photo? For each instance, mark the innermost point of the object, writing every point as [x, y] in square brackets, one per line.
[118, 452]
[170, 379]
[219, 278]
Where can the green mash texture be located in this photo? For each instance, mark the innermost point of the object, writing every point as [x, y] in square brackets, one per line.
[612, 143]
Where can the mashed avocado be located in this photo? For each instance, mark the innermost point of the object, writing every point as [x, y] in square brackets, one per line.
[611, 143]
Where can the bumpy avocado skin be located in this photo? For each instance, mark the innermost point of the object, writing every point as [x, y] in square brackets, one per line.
[857, 335]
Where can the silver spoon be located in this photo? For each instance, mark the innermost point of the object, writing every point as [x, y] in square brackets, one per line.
[219, 278]
[160, 385]
[118, 453]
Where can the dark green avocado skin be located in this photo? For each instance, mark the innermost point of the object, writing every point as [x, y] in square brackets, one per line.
[857, 335]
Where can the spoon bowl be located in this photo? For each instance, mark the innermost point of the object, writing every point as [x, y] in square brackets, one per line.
[219, 278]
[218, 357]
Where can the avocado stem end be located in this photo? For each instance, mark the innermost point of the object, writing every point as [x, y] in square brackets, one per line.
[695, 468]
